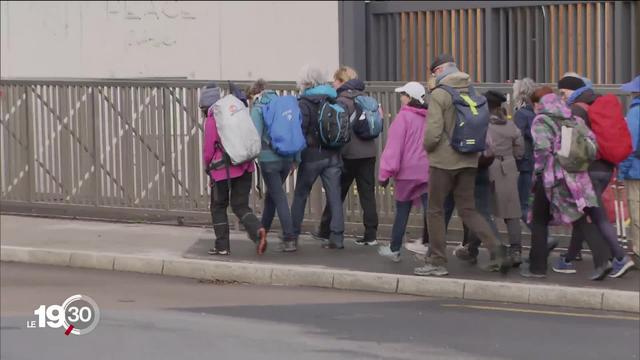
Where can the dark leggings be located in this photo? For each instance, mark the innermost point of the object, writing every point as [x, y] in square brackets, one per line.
[539, 253]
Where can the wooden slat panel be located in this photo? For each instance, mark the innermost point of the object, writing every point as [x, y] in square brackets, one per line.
[589, 42]
[437, 38]
[403, 46]
[599, 42]
[421, 43]
[429, 25]
[471, 51]
[454, 35]
[608, 33]
[462, 54]
[580, 39]
[446, 33]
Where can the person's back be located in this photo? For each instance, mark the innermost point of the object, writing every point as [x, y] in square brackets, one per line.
[310, 102]
[506, 136]
[357, 148]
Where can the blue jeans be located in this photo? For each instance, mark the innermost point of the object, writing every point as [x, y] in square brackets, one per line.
[275, 174]
[403, 210]
[525, 180]
[329, 170]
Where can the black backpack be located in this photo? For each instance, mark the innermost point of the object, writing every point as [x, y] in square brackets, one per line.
[472, 120]
[333, 124]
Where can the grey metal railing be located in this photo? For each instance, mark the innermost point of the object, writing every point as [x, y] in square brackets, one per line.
[132, 144]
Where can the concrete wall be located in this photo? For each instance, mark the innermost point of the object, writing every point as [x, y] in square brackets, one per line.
[197, 40]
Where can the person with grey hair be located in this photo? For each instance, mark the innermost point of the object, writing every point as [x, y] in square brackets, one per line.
[523, 118]
[317, 160]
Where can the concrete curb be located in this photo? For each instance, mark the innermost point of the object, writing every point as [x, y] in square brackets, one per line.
[273, 274]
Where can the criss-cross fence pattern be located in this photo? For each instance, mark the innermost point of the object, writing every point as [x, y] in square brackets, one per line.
[132, 144]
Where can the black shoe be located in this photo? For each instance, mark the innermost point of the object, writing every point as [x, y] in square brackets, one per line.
[601, 272]
[364, 242]
[318, 236]
[215, 251]
[330, 245]
[516, 257]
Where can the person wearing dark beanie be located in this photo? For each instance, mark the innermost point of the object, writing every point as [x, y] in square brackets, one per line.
[570, 83]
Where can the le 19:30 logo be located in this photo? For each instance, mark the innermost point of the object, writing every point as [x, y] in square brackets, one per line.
[78, 315]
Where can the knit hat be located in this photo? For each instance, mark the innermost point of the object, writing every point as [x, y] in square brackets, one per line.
[441, 59]
[495, 98]
[570, 83]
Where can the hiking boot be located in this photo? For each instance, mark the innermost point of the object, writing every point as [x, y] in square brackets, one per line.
[502, 260]
[462, 253]
[386, 251]
[261, 245]
[516, 256]
[620, 267]
[431, 270]
[332, 246]
[317, 235]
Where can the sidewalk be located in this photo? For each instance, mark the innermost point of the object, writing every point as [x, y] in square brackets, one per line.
[181, 251]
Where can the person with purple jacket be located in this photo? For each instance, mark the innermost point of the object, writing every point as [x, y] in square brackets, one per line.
[405, 160]
[230, 184]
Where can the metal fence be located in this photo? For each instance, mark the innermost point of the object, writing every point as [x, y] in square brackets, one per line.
[116, 145]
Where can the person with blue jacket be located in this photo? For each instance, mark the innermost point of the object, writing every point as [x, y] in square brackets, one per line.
[274, 168]
[629, 169]
[317, 161]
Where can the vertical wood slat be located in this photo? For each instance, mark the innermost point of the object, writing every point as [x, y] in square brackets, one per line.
[571, 47]
[562, 22]
[454, 35]
[580, 39]
[589, 42]
[446, 33]
[421, 46]
[599, 42]
[412, 49]
[479, 37]
[429, 24]
[554, 44]
[608, 33]
[403, 46]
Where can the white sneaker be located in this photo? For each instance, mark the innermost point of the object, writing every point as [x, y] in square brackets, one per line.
[391, 255]
[417, 247]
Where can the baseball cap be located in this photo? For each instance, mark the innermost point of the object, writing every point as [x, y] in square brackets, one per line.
[413, 89]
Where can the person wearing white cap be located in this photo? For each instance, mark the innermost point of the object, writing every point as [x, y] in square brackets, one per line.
[405, 160]
[629, 169]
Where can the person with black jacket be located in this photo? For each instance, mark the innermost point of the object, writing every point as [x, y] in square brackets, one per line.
[317, 160]
[359, 162]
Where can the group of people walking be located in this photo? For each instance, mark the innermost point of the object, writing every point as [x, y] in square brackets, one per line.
[550, 165]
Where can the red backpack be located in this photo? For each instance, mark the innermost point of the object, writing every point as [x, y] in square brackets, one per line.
[610, 128]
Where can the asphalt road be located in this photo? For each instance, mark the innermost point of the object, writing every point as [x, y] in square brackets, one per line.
[153, 317]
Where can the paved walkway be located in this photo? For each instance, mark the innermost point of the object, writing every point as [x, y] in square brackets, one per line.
[174, 242]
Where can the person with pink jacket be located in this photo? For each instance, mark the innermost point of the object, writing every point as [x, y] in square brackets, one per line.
[230, 184]
[405, 160]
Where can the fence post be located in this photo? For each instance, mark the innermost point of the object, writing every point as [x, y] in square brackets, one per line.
[31, 174]
[166, 119]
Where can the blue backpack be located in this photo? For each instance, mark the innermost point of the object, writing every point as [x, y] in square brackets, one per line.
[368, 125]
[283, 124]
[333, 123]
[472, 121]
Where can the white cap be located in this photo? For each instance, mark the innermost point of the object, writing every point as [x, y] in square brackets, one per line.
[413, 89]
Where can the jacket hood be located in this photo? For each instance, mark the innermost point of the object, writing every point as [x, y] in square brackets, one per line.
[456, 80]
[421, 112]
[497, 119]
[552, 105]
[353, 84]
[587, 96]
[321, 90]
[266, 97]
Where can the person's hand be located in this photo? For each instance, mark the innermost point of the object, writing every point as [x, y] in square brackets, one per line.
[384, 183]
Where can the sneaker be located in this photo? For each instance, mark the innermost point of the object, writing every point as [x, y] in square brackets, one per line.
[462, 253]
[516, 257]
[261, 245]
[363, 242]
[417, 247]
[620, 267]
[215, 251]
[332, 246]
[578, 256]
[601, 272]
[289, 246]
[431, 270]
[386, 251]
[564, 267]
[526, 272]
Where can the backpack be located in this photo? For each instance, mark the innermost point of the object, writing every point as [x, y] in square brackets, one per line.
[577, 150]
[239, 137]
[283, 124]
[472, 120]
[333, 123]
[368, 124]
[610, 128]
